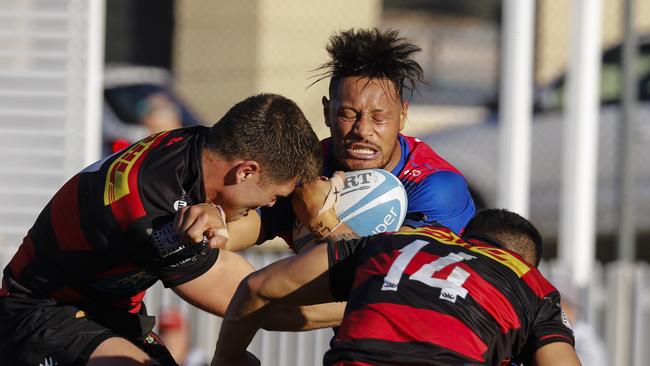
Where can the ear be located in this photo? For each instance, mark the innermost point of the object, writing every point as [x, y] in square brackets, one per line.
[326, 111]
[247, 170]
[403, 115]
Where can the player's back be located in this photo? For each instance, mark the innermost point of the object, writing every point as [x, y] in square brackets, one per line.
[429, 298]
[97, 237]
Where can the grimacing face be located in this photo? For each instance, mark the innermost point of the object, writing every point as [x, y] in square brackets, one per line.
[236, 200]
[365, 117]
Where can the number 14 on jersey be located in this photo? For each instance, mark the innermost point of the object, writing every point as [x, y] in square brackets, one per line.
[451, 287]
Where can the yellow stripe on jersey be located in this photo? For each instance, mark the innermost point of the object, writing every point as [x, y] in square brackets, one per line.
[117, 176]
[448, 237]
[441, 235]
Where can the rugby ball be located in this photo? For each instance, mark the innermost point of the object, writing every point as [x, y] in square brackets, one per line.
[372, 201]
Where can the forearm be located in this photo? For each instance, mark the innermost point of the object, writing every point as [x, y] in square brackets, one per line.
[244, 317]
[237, 333]
[286, 284]
[294, 318]
[243, 233]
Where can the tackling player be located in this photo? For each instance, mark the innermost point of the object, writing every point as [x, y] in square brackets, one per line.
[72, 294]
[422, 297]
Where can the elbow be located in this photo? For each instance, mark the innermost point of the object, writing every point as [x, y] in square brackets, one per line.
[247, 298]
[259, 288]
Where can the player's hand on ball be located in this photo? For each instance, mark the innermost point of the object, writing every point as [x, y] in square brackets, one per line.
[201, 223]
[313, 203]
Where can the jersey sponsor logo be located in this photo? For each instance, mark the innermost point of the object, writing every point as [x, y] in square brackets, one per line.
[448, 237]
[166, 241]
[565, 320]
[126, 282]
[390, 217]
[49, 361]
[358, 182]
[414, 172]
[563, 315]
[174, 140]
[440, 235]
[520, 268]
[178, 204]
[117, 177]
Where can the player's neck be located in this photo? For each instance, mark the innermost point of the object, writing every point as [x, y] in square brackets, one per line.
[215, 168]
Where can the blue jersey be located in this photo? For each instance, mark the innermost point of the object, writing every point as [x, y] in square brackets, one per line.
[436, 191]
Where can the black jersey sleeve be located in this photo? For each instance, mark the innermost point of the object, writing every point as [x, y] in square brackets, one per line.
[342, 257]
[164, 254]
[550, 326]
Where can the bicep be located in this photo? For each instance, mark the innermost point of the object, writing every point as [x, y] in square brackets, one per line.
[556, 354]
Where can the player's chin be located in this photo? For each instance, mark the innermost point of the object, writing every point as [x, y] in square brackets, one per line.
[358, 164]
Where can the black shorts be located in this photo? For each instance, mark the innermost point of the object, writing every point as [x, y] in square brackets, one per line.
[43, 331]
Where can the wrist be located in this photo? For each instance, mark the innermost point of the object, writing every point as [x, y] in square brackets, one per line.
[323, 224]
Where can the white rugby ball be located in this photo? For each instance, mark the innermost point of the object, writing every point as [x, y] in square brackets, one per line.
[372, 201]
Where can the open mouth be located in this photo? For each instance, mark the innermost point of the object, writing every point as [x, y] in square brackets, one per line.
[361, 151]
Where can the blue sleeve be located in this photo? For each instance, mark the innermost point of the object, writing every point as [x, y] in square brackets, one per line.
[442, 197]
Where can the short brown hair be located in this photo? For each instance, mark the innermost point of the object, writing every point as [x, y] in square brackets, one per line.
[273, 131]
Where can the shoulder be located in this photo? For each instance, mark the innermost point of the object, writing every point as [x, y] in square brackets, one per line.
[441, 186]
[422, 160]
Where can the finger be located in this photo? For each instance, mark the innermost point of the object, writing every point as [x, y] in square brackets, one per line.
[217, 237]
[189, 217]
[338, 180]
[179, 218]
[198, 228]
[209, 221]
[334, 193]
[182, 223]
[217, 242]
[338, 177]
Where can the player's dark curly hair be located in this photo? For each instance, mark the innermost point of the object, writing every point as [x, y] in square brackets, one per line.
[372, 54]
[510, 230]
[273, 131]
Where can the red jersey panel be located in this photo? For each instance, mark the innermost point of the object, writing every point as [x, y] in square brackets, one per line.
[428, 297]
[107, 234]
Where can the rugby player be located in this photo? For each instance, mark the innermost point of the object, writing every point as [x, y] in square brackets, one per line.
[72, 294]
[372, 74]
[420, 297]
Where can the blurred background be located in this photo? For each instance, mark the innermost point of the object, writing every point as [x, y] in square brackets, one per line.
[80, 79]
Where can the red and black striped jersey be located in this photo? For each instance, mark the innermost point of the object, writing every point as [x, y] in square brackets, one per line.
[428, 297]
[107, 235]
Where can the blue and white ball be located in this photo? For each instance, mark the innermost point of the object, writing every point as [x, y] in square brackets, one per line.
[372, 201]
